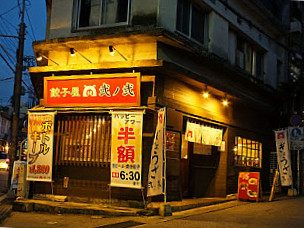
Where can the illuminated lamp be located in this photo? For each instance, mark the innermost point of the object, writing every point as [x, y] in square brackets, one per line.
[39, 57]
[112, 50]
[206, 92]
[73, 53]
[225, 101]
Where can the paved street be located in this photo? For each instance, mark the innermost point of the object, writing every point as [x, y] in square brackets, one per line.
[284, 212]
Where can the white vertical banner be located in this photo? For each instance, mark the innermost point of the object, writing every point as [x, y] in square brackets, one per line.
[283, 155]
[126, 149]
[156, 169]
[40, 146]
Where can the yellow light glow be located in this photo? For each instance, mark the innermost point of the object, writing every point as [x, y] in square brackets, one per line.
[206, 94]
[112, 53]
[6, 148]
[235, 149]
[225, 102]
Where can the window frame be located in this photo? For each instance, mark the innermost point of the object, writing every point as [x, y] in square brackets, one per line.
[248, 150]
[76, 19]
[242, 46]
[189, 35]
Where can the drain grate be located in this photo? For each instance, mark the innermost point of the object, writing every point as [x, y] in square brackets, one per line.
[125, 224]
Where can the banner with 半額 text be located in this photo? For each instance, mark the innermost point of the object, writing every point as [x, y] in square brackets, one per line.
[283, 156]
[126, 149]
[40, 146]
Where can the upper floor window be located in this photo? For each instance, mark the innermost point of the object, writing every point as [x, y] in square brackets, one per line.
[249, 59]
[93, 13]
[191, 20]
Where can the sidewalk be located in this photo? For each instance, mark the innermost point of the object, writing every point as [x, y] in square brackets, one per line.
[5, 207]
[27, 205]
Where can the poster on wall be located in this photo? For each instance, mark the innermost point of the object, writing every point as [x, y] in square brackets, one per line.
[283, 156]
[40, 146]
[248, 185]
[156, 169]
[296, 138]
[126, 149]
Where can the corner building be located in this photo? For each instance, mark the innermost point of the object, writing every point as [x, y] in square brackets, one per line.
[234, 49]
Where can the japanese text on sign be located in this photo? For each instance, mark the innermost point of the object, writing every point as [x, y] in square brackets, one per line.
[126, 149]
[108, 90]
[40, 146]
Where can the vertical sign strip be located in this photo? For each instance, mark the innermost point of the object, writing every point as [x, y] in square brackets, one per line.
[40, 146]
[283, 157]
[126, 149]
[156, 169]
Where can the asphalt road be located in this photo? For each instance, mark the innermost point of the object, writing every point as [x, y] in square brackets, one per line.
[283, 212]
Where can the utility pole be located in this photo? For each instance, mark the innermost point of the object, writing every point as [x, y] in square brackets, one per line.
[17, 93]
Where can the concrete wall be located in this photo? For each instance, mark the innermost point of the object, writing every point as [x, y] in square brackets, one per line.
[218, 35]
[223, 25]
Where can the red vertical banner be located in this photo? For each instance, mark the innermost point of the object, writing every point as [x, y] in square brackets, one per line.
[248, 185]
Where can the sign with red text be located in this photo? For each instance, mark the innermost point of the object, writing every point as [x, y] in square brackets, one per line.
[283, 155]
[126, 149]
[156, 169]
[248, 185]
[40, 146]
[92, 90]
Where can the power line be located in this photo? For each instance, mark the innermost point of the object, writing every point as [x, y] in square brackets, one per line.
[6, 79]
[30, 25]
[8, 10]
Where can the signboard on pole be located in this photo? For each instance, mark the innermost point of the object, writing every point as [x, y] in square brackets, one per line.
[40, 146]
[248, 185]
[283, 156]
[126, 149]
[296, 138]
[156, 169]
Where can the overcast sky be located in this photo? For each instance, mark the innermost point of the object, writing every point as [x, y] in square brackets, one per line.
[10, 18]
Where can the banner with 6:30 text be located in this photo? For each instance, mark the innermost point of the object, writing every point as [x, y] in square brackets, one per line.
[126, 149]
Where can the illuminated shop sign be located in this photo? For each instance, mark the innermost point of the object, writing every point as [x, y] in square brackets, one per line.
[92, 90]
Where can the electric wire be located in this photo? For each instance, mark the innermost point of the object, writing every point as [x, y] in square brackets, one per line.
[8, 10]
[31, 26]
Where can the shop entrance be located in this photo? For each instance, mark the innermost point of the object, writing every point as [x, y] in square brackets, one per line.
[199, 166]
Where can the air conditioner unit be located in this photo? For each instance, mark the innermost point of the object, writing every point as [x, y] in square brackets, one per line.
[240, 59]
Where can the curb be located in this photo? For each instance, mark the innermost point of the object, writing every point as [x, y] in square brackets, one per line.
[73, 208]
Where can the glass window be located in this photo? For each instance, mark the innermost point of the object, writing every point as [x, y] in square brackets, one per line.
[249, 59]
[190, 20]
[102, 12]
[247, 152]
[83, 139]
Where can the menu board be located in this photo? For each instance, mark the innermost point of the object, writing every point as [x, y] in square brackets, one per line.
[248, 185]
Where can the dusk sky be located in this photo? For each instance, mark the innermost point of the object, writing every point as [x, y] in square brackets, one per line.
[10, 18]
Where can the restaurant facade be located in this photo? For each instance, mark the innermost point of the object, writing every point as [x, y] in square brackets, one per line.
[99, 101]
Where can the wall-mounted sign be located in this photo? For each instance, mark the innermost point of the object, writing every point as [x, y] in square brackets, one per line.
[92, 90]
[126, 152]
[40, 146]
[248, 185]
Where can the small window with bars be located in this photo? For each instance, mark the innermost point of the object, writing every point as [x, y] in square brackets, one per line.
[247, 152]
[83, 139]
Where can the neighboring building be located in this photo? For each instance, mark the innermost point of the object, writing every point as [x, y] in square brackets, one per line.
[5, 130]
[235, 50]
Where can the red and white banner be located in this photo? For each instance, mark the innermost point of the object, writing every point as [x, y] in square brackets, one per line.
[156, 169]
[283, 155]
[202, 134]
[126, 149]
[40, 146]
